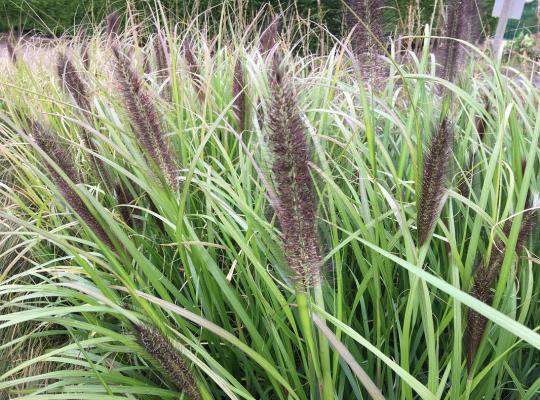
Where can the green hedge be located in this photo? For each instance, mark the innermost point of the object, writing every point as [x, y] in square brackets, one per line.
[55, 16]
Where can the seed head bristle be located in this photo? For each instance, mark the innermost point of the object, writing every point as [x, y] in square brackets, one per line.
[112, 28]
[193, 67]
[72, 82]
[269, 37]
[366, 42]
[161, 48]
[296, 210]
[462, 22]
[435, 171]
[239, 96]
[50, 145]
[484, 277]
[143, 115]
[172, 363]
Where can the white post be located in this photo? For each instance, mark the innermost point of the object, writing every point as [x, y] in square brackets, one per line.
[501, 28]
[505, 10]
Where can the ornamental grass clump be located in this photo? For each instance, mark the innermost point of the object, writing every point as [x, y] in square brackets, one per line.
[435, 171]
[170, 361]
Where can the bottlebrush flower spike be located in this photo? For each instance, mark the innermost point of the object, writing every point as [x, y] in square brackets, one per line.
[72, 82]
[193, 68]
[462, 23]
[484, 277]
[366, 42]
[50, 145]
[239, 95]
[296, 210]
[143, 115]
[112, 26]
[435, 170]
[269, 37]
[173, 364]
[162, 51]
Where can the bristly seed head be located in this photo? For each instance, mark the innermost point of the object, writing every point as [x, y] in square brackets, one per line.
[435, 170]
[143, 116]
[162, 52]
[173, 364]
[462, 23]
[193, 68]
[49, 145]
[484, 277]
[112, 26]
[294, 187]
[239, 95]
[269, 37]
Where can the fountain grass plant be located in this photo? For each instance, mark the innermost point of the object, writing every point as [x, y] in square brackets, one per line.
[257, 234]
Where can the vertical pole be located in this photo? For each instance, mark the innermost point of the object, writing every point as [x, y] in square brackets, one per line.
[501, 28]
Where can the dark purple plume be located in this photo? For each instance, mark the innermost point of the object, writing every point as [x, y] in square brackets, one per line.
[296, 210]
[239, 96]
[269, 37]
[162, 52]
[112, 28]
[193, 68]
[143, 116]
[366, 19]
[50, 145]
[462, 22]
[486, 275]
[435, 171]
[171, 362]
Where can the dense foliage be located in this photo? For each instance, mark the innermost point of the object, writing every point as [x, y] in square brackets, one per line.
[219, 217]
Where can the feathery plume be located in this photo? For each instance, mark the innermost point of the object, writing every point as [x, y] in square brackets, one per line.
[161, 48]
[72, 82]
[484, 277]
[112, 26]
[294, 187]
[173, 364]
[143, 115]
[239, 95]
[436, 163]
[269, 37]
[193, 67]
[366, 19]
[49, 144]
[462, 22]
[124, 198]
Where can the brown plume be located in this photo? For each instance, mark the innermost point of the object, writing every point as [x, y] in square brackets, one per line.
[484, 277]
[296, 210]
[50, 145]
[435, 171]
[171, 362]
